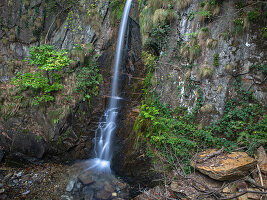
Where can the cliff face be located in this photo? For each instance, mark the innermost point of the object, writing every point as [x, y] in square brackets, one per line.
[209, 54]
[57, 128]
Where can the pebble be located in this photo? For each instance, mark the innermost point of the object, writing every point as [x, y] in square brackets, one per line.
[65, 197]
[70, 186]
[1, 185]
[2, 190]
[19, 174]
[27, 192]
[114, 194]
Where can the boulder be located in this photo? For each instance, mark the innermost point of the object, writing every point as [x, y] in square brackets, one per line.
[223, 166]
[86, 178]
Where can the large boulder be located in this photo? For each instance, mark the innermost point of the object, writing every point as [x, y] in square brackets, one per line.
[223, 166]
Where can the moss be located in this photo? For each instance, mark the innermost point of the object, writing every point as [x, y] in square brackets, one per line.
[206, 72]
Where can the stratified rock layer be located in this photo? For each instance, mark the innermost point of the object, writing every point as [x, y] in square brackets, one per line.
[225, 166]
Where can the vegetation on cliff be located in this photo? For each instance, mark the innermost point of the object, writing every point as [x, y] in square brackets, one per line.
[174, 134]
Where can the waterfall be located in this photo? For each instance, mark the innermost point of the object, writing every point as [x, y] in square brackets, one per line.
[106, 128]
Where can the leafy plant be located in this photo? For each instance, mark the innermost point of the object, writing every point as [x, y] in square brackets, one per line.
[44, 77]
[216, 60]
[88, 77]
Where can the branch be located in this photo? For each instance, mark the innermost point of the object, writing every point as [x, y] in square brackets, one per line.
[211, 155]
[243, 193]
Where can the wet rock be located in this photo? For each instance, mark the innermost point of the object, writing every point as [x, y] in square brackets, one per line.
[86, 178]
[103, 194]
[109, 188]
[225, 166]
[70, 186]
[87, 191]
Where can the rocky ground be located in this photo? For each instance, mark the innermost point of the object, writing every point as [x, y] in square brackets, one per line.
[218, 175]
[49, 181]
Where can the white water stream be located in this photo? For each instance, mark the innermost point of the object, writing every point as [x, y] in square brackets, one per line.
[106, 128]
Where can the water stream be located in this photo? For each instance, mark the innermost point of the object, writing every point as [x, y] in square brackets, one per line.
[106, 127]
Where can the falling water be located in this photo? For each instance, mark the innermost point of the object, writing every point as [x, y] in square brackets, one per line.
[107, 126]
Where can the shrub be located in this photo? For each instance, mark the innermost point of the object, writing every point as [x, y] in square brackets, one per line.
[45, 77]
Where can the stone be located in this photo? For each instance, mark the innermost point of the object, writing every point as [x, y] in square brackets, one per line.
[225, 166]
[2, 190]
[26, 192]
[1, 185]
[65, 197]
[70, 186]
[102, 194]
[86, 178]
[114, 194]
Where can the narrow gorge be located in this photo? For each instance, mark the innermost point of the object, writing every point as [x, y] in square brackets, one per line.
[133, 99]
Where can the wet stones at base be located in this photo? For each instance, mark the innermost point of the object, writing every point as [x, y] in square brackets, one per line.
[90, 185]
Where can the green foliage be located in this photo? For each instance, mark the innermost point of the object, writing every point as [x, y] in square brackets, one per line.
[253, 15]
[175, 134]
[88, 79]
[258, 68]
[216, 60]
[157, 38]
[45, 77]
[191, 16]
[264, 32]
[117, 7]
[239, 23]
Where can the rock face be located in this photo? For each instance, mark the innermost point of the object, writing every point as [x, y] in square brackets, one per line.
[225, 166]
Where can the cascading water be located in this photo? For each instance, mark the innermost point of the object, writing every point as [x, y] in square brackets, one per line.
[106, 128]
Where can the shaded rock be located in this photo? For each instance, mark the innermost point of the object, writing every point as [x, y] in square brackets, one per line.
[102, 194]
[86, 178]
[20, 160]
[225, 166]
